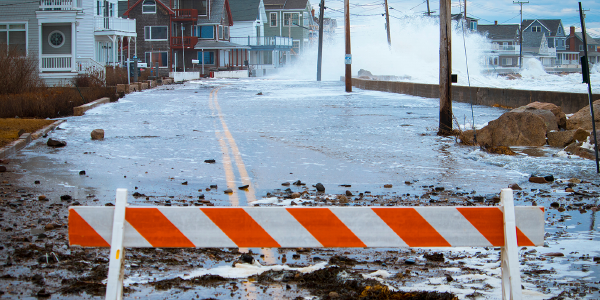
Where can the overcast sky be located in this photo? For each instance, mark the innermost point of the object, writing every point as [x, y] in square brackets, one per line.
[487, 11]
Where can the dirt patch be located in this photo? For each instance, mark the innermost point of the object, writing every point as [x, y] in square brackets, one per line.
[10, 128]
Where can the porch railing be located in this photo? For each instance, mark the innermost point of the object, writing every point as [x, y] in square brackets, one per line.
[56, 62]
[88, 65]
[60, 4]
[188, 41]
[114, 24]
[274, 41]
[185, 14]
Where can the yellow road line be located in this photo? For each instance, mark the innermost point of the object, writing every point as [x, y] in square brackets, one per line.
[250, 193]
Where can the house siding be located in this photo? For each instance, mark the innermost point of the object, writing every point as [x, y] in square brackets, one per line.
[160, 18]
[23, 11]
[85, 31]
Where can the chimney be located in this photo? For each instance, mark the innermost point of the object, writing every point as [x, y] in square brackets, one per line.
[572, 31]
[313, 13]
[495, 22]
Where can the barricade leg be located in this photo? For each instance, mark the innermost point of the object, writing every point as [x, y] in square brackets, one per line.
[509, 255]
[114, 286]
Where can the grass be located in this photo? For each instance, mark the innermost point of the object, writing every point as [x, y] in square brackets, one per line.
[10, 128]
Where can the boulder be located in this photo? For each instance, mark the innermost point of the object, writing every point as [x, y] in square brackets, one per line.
[97, 134]
[583, 119]
[562, 139]
[56, 143]
[576, 149]
[514, 129]
[561, 118]
[320, 187]
[546, 114]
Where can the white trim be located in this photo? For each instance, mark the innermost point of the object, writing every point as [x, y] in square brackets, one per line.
[50, 40]
[271, 18]
[150, 34]
[147, 5]
[8, 30]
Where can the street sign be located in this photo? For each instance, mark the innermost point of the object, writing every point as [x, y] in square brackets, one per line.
[348, 59]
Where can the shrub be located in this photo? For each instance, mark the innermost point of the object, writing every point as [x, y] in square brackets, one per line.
[116, 76]
[89, 79]
[18, 73]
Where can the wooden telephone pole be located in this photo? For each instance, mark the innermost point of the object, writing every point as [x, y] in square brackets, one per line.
[521, 33]
[320, 52]
[348, 57]
[445, 126]
[387, 23]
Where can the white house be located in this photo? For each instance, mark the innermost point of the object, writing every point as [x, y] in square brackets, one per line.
[67, 37]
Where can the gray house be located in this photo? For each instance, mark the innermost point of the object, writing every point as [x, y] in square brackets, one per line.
[505, 44]
[556, 37]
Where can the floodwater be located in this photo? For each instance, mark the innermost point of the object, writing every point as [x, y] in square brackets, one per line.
[265, 132]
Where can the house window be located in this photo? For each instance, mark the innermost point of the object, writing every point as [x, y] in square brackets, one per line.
[290, 16]
[273, 19]
[507, 61]
[205, 32]
[56, 39]
[580, 47]
[157, 57]
[473, 26]
[226, 33]
[209, 57]
[220, 32]
[536, 29]
[296, 47]
[14, 36]
[149, 7]
[155, 33]
[203, 9]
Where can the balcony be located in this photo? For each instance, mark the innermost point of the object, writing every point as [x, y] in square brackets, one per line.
[185, 15]
[178, 42]
[112, 24]
[56, 63]
[60, 5]
[264, 42]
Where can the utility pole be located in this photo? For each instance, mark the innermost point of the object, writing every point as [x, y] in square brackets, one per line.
[445, 126]
[320, 55]
[348, 57]
[428, 10]
[387, 23]
[585, 71]
[521, 33]
[465, 10]
[182, 47]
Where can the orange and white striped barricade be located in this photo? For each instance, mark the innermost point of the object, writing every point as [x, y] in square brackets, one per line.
[121, 226]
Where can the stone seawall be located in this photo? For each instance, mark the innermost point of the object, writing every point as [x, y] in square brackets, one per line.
[509, 98]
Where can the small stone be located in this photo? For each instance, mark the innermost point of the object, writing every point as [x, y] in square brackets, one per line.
[549, 178]
[42, 197]
[299, 183]
[515, 187]
[554, 254]
[247, 258]
[81, 172]
[210, 161]
[561, 209]
[56, 143]
[554, 204]
[388, 186]
[320, 187]
[574, 180]
[286, 184]
[244, 187]
[569, 190]
[295, 195]
[536, 179]
[348, 193]
[2, 169]
[97, 134]
[109, 204]
[333, 295]
[410, 261]
[449, 278]
[49, 226]
[342, 199]
[37, 182]
[65, 197]
[228, 191]
[213, 186]
[201, 196]
[43, 294]
[184, 183]
[408, 182]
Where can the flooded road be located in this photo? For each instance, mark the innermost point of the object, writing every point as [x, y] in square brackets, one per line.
[161, 144]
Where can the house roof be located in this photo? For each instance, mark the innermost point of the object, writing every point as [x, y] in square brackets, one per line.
[244, 10]
[500, 32]
[532, 39]
[218, 45]
[286, 4]
[218, 9]
[551, 24]
[590, 40]
[169, 10]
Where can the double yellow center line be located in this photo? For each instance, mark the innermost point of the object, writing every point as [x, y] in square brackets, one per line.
[227, 143]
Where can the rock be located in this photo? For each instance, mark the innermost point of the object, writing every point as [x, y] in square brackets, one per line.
[320, 187]
[562, 139]
[569, 190]
[243, 187]
[228, 191]
[210, 161]
[348, 193]
[56, 143]
[2, 169]
[81, 172]
[42, 197]
[514, 129]
[561, 209]
[498, 150]
[439, 257]
[582, 119]
[65, 197]
[554, 254]
[574, 180]
[247, 258]
[333, 295]
[547, 115]
[295, 195]
[410, 261]
[49, 226]
[576, 149]
[342, 199]
[37, 182]
[449, 278]
[515, 187]
[43, 294]
[184, 183]
[549, 178]
[213, 186]
[554, 204]
[388, 186]
[560, 117]
[286, 184]
[298, 183]
[97, 134]
[536, 179]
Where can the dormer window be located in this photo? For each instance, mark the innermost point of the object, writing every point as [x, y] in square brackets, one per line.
[149, 7]
[536, 29]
